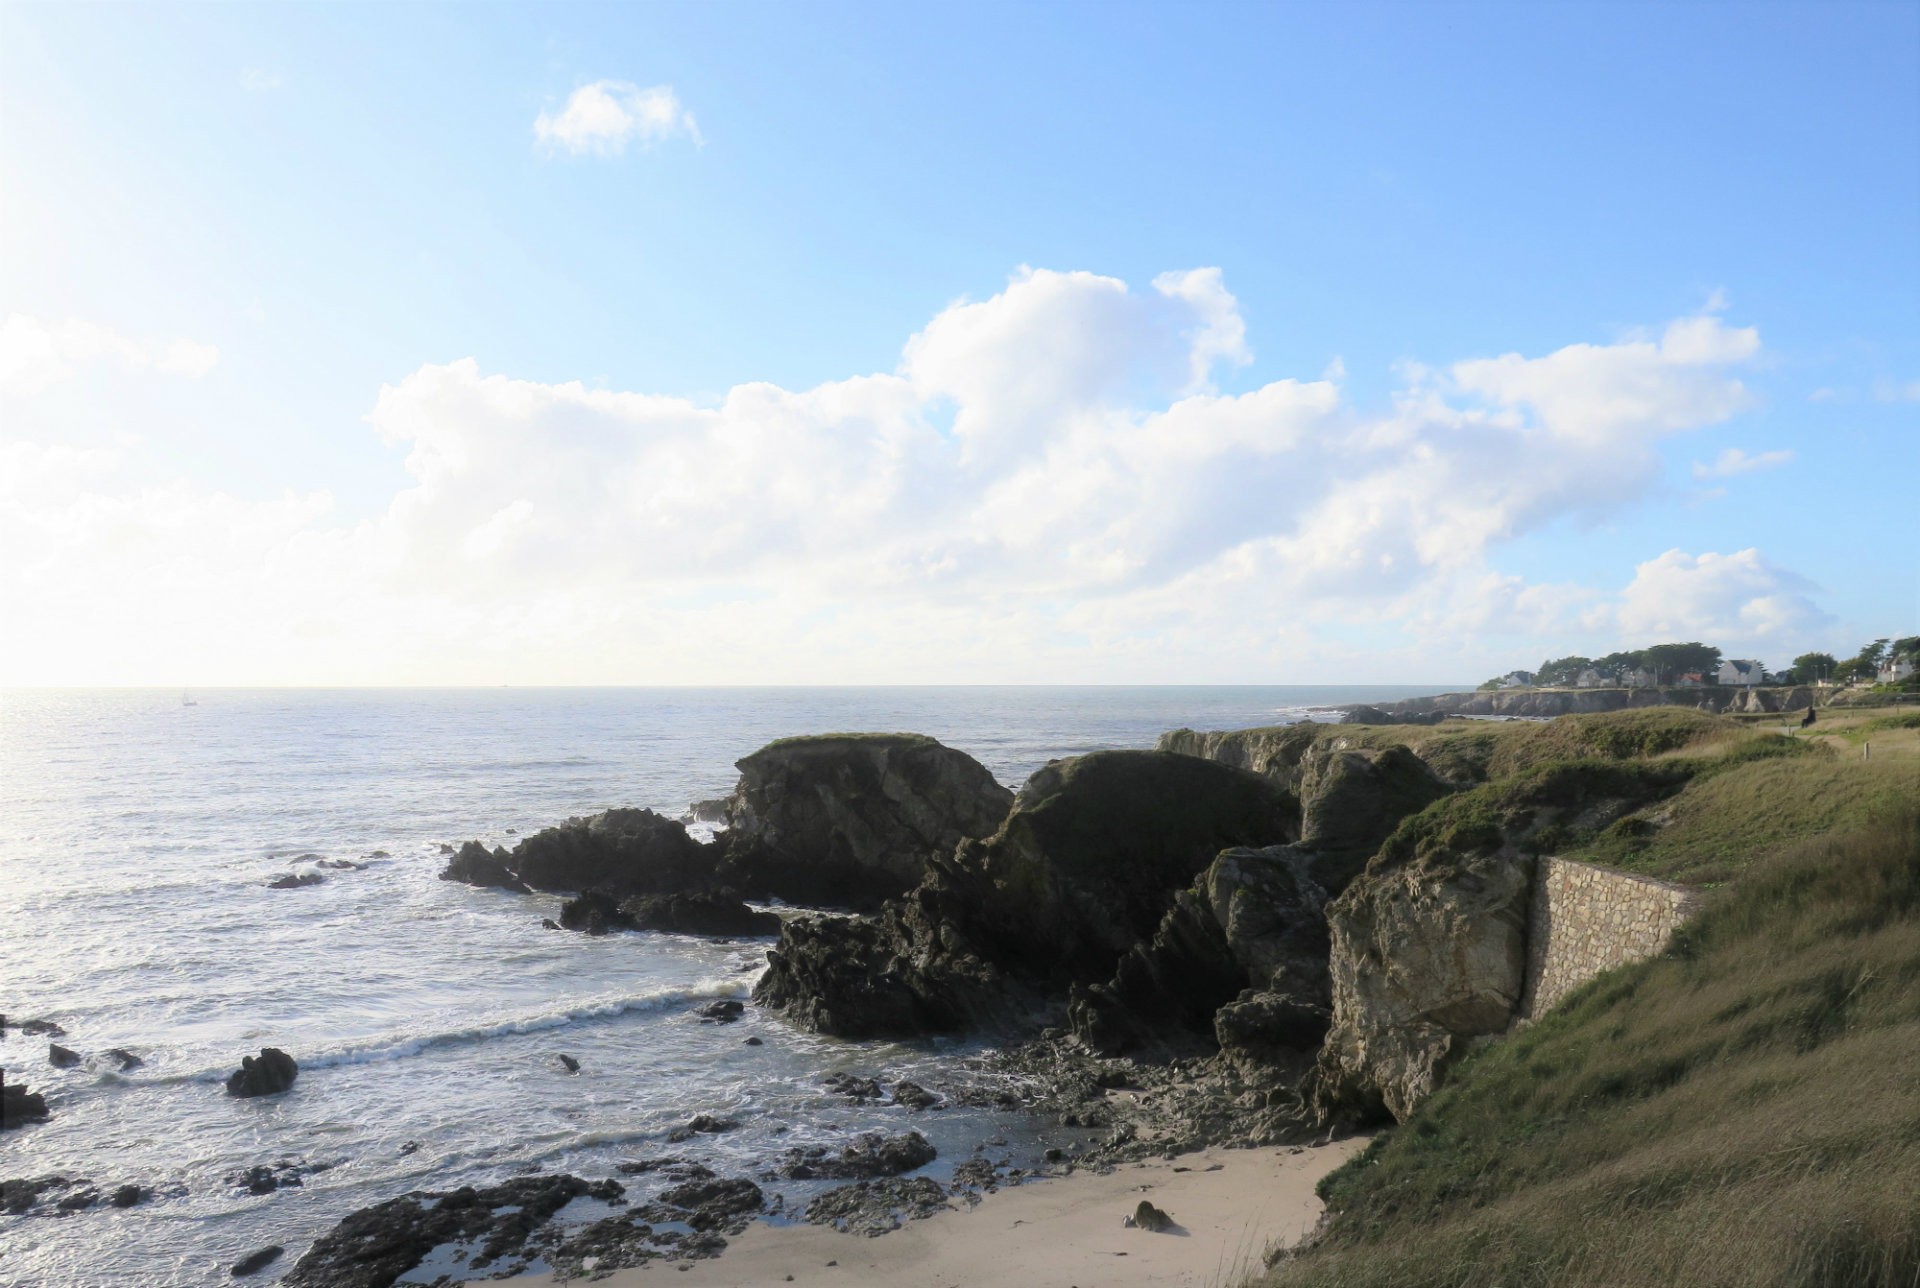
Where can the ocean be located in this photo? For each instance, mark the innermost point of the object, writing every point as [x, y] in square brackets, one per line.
[139, 829]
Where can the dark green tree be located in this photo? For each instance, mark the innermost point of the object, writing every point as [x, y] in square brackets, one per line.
[1560, 672]
[1669, 662]
[1809, 667]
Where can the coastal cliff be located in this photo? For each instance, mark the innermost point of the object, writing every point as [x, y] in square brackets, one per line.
[1548, 703]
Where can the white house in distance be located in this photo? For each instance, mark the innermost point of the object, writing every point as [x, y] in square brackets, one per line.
[1895, 669]
[1517, 680]
[1638, 677]
[1737, 672]
[1591, 679]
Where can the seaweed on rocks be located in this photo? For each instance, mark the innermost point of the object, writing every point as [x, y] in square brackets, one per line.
[872, 1208]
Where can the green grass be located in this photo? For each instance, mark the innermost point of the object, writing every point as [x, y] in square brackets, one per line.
[1742, 1111]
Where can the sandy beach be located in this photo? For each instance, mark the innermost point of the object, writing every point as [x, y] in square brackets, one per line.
[1230, 1205]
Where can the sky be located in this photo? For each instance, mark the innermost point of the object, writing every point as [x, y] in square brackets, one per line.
[738, 343]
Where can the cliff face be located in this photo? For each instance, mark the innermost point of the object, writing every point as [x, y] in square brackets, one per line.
[1546, 703]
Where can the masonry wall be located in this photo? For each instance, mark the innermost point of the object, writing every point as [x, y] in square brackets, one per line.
[1585, 920]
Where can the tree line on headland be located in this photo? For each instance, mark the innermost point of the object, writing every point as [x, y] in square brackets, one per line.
[1662, 664]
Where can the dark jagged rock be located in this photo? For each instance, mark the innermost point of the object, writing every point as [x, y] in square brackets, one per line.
[341, 865]
[295, 880]
[699, 1125]
[715, 1202]
[60, 1057]
[548, 923]
[674, 1169]
[1370, 715]
[708, 811]
[620, 852]
[853, 818]
[254, 1262]
[475, 866]
[595, 912]
[265, 1178]
[697, 912]
[874, 1207]
[1094, 851]
[124, 1058]
[42, 1028]
[570, 1064]
[273, 1071]
[21, 1194]
[870, 1155]
[19, 1106]
[1254, 921]
[83, 1196]
[376, 1245]
[912, 1095]
[1150, 1218]
[724, 1011]
[126, 1196]
[852, 1086]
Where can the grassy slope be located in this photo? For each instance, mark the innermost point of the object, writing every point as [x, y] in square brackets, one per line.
[1744, 1111]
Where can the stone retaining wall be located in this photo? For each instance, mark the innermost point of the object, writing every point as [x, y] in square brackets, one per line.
[1584, 920]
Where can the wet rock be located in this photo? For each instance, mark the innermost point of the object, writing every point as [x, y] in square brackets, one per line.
[697, 912]
[753, 1042]
[673, 1168]
[475, 866]
[123, 1059]
[19, 1195]
[569, 1063]
[853, 818]
[272, 1072]
[295, 880]
[60, 1057]
[715, 1203]
[913, 1096]
[874, 1207]
[265, 1178]
[701, 1124]
[126, 1196]
[724, 1011]
[852, 1086]
[410, 1147]
[707, 811]
[870, 1155]
[254, 1262]
[341, 865]
[548, 923]
[19, 1106]
[80, 1198]
[376, 1245]
[42, 1028]
[595, 912]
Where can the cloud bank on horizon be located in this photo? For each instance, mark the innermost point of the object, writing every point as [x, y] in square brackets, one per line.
[1049, 487]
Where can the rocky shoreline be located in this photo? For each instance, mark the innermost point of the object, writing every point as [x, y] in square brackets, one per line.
[1248, 939]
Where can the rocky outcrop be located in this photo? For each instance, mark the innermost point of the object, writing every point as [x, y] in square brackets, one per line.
[376, 1245]
[1351, 799]
[1251, 935]
[1547, 703]
[1275, 751]
[621, 852]
[1093, 853]
[272, 1072]
[1428, 946]
[867, 1157]
[853, 818]
[475, 866]
[699, 912]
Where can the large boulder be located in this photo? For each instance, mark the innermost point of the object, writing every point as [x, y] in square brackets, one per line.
[1093, 853]
[622, 852]
[272, 1072]
[19, 1106]
[1352, 798]
[853, 818]
[698, 912]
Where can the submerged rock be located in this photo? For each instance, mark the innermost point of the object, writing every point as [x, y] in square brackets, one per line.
[853, 818]
[60, 1057]
[41, 1028]
[255, 1262]
[124, 1059]
[867, 1156]
[272, 1072]
[295, 880]
[19, 1106]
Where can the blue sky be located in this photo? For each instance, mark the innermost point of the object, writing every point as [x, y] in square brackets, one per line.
[322, 202]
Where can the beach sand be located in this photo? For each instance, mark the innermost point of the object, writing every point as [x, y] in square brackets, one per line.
[1230, 1206]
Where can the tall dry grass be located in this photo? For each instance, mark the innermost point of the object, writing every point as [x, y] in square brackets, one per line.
[1744, 1111]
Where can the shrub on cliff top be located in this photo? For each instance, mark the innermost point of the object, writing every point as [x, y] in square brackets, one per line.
[1741, 1111]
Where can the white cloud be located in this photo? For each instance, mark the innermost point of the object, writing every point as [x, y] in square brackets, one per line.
[35, 353]
[603, 117]
[1896, 391]
[1737, 598]
[1733, 461]
[1047, 486]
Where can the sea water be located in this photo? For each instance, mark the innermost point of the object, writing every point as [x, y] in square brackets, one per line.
[139, 830]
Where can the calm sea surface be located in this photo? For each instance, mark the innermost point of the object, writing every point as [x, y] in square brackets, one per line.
[137, 835]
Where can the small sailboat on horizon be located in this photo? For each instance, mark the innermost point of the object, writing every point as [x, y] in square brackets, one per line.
[187, 699]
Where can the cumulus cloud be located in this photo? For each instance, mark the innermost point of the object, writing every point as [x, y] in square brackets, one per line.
[1733, 461]
[35, 354]
[1049, 484]
[1739, 596]
[601, 118]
